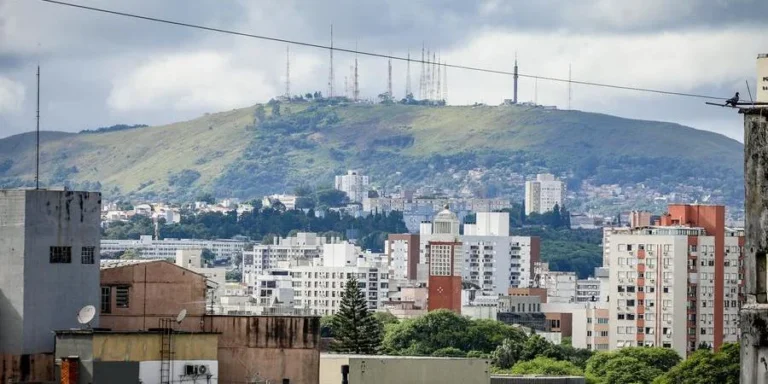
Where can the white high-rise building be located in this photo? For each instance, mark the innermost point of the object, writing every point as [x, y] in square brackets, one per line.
[542, 194]
[303, 246]
[354, 185]
[150, 248]
[676, 285]
[494, 260]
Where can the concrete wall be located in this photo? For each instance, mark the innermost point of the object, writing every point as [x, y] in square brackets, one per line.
[98, 353]
[267, 348]
[26, 368]
[37, 296]
[401, 369]
[158, 289]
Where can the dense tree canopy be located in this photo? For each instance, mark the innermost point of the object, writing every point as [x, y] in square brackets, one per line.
[372, 229]
[706, 367]
[617, 367]
[546, 366]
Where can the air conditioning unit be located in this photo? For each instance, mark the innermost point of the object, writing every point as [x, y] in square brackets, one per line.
[195, 369]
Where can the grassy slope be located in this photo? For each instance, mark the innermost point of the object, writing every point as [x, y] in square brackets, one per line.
[127, 159]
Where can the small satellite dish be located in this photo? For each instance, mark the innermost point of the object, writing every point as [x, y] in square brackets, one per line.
[181, 316]
[86, 314]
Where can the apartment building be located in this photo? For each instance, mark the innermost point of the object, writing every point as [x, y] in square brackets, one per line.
[151, 248]
[402, 252]
[302, 246]
[560, 286]
[542, 194]
[354, 184]
[687, 264]
[588, 290]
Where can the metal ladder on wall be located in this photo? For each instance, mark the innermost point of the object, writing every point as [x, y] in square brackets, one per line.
[166, 355]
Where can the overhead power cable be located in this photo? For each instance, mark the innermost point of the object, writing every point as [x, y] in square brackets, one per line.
[379, 55]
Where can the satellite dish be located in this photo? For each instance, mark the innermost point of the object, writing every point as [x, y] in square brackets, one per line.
[181, 316]
[86, 314]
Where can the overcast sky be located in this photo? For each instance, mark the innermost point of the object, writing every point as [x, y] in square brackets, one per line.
[100, 70]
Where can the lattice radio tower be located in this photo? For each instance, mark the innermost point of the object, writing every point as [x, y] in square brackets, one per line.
[330, 73]
[422, 76]
[389, 79]
[408, 75]
[288, 72]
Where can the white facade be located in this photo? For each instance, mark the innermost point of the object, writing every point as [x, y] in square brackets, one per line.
[319, 289]
[166, 248]
[660, 270]
[303, 246]
[762, 78]
[560, 286]
[542, 194]
[491, 262]
[354, 185]
[589, 290]
[149, 371]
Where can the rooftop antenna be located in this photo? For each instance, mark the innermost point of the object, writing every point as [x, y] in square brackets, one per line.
[330, 74]
[288, 72]
[37, 146]
[750, 94]
[86, 315]
[408, 75]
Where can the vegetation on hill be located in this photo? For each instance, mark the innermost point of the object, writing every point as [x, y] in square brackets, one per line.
[273, 148]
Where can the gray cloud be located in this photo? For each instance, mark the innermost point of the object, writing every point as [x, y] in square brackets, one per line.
[102, 69]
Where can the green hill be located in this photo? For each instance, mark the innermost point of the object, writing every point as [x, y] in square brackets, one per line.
[251, 151]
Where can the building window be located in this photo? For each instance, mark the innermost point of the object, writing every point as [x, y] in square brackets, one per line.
[121, 297]
[86, 255]
[61, 255]
[106, 299]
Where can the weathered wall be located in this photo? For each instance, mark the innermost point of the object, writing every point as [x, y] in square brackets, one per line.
[20, 368]
[754, 314]
[157, 290]
[267, 347]
[402, 369]
[147, 346]
[39, 296]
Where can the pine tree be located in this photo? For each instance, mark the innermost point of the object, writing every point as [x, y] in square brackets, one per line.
[354, 327]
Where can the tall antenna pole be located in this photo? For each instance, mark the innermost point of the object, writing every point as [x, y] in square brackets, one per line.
[346, 86]
[356, 93]
[439, 93]
[288, 72]
[330, 74]
[433, 82]
[445, 82]
[569, 86]
[514, 97]
[37, 158]
[423, 74]
[408, 75]
[427, 77]
[389, 80]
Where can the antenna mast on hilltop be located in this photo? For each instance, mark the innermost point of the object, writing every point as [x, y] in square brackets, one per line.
[37, 156]
[356, 93]
[288, 72]
[432, 82]
[445, 82]
[389, 79]
[427, 84]
[408, 75]
[439, 93]
[330, 74]
[514, 77]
